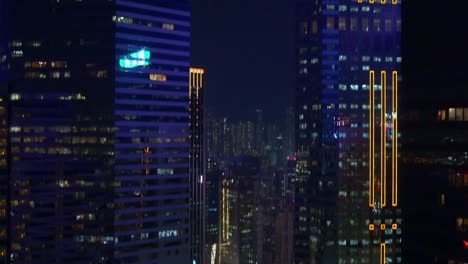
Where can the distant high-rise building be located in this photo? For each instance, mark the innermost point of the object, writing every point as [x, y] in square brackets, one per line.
[213, 188]
[197, 166]
[99, 131]
[289, 133]
[227, 139]
[348, 73]
[259, 132]
[214, 134]
[238, 216]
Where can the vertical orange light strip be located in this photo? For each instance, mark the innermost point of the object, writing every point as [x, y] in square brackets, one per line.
[371, 1]
[383, 1]
[359, 1]
[371, 138]
[394, 2]
[383, 139]
[394, 138]
[383, 257]
[190, 84]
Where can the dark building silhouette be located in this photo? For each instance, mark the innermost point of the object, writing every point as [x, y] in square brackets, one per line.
[4, 76]
[435, 129]
[197, 166]
[99, 131]
[346, 102]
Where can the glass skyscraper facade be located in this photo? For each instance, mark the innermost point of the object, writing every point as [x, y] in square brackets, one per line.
[348, 72]
[99, 131]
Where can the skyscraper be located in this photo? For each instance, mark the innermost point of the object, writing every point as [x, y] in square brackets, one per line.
[348, 73]
[434, 128]
[4, 188]
[197, 166]
[260, 132]
[99, 131]
[239, 191]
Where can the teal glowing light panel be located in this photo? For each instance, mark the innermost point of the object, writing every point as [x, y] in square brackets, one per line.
[135, 59]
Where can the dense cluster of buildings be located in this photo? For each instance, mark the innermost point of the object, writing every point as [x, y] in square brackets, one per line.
[274, 140]
[108, 154]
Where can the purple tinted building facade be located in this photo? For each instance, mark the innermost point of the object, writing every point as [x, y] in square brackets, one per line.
[99, 132]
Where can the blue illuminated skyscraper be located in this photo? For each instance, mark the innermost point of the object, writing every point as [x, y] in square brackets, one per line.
[348, 71]
[99, 131]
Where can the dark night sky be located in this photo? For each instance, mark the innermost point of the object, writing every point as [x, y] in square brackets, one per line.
[246, 48]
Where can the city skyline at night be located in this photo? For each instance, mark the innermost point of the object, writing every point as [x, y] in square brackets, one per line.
[211, 132]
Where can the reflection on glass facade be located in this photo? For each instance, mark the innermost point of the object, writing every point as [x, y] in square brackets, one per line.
[99, 131]
[348, 71]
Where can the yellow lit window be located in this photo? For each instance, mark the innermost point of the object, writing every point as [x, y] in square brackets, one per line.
[167, 26]
[330, 22]
[158, 77]
[342, 23]
[314, 27]
[58, 64]
[38, 64]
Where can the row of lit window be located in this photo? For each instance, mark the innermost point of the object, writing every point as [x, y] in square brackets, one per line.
[453, 114]
[18, 44]
[128, 20]
[53, 75]
[351, 24]
[44, 64]
[458, 179]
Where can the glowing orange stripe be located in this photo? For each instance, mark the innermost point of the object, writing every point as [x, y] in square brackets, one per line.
[383, 140]
[395, 138]
[394, 2]
[383, 257]
[371, 138]
[371, 1]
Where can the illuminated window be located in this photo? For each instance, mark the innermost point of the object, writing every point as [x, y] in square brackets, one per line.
[342, 23]
[377, 25]
[158, 77]
[465, 114]
[441, 115]
[314, 27]
[442, 199]
[388, 25]
[303, 28]
[365, 24]
[167, 26]
[124, 20]
[17, 54]
[55, 75]
[398, 25]
[34, 75]
[58, 64]
[451, 114]
[38, 64]
[459, 114]
[330, 22]
[353, 24]
[16, 44]
[35, 44]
